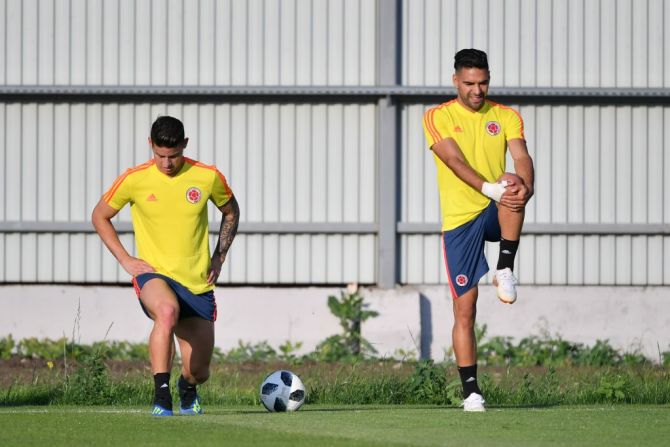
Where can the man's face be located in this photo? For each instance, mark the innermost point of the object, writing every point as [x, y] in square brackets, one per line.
[169, 160]
[472, 85]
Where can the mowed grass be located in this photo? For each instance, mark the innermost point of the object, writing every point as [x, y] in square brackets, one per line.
[320, 425]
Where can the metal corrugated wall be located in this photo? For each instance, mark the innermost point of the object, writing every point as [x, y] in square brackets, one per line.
[294, 160]
[286, 163]
[595, 163]
[541, 43]
[187, 42]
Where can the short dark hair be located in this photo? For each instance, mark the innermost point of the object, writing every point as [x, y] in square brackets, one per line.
[471, 58]
[167, 131]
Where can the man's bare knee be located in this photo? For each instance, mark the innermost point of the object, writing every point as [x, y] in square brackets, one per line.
[167, 316]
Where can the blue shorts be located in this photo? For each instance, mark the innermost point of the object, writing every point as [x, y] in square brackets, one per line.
[464, 250]
[190, 304]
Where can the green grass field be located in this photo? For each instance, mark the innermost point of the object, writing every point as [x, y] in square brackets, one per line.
[320, 425]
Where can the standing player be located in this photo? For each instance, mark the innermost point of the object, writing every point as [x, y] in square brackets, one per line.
[173, 274]
[469, 137]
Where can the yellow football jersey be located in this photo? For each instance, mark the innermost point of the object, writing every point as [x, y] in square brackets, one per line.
[170, 217]
[482, 136]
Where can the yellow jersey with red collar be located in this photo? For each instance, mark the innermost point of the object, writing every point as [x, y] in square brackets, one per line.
[170, 217]
[482, 136]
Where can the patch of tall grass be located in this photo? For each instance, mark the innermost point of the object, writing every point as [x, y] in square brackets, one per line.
[536, 371]
[368, 382]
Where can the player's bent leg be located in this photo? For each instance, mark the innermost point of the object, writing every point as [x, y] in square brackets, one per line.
[196, 343]
[160, 302]
[504, 280]
[511, 223]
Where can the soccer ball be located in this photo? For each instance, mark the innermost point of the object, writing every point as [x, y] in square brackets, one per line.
[282, 391]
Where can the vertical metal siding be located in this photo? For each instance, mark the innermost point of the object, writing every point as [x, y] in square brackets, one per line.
[300, 259]
[295, 163]
[285, 162]
[181, 42]
[552, 43]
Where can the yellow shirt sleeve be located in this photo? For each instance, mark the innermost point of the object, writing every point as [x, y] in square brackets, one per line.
[221, 192]
[514, 126]
[120, 192]
[437, 125]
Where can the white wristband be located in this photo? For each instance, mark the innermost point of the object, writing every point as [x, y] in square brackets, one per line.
[494, 190]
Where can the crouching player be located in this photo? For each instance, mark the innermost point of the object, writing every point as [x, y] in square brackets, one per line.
[173, 274]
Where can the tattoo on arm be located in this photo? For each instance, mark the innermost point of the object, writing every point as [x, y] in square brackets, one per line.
[228, 230]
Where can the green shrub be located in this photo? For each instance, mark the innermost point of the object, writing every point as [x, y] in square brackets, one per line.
[90, 383]
[545, 351]
[245, 352]
[6, 346]
[351, 310]
[43, 349]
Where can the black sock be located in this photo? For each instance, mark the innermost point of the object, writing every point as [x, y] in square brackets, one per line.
[162, 394]
[469, 380]
[507, 254]
[187, 392]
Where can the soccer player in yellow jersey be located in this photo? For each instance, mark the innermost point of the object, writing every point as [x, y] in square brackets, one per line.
[173, 273]
[469, 137]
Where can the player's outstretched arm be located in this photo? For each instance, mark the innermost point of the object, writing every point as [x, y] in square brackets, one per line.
[102, 222]
[227, 232]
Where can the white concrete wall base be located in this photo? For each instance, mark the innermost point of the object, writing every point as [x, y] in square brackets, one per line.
[413, 320]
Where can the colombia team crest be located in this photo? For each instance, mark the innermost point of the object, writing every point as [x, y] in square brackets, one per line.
[462, 280]
[193, 195]
[493, 128]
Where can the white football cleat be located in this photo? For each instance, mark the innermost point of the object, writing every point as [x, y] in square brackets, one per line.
[474, 402]
[505, 283]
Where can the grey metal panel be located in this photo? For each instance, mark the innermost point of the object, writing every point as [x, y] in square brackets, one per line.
[316, 94]
[556, 260]
[12, 162]
[666, 167]
[12, 257]
[27, 171]
[3, 43]
[575, 175]
[540, 43]
[3, 157]
[176, 42]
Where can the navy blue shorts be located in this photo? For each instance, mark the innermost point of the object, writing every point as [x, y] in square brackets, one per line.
[464, 250]
[190, 304]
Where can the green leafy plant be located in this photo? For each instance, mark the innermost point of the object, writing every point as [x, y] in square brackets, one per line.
[43, 349]
[7, 345]
[428, 382]
[247, 352]
[547, 351]
[351, 311]
[288, 350]
[612, 388]
[90, 383]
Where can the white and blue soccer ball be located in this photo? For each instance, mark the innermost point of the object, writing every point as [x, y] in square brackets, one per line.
[282, 391]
